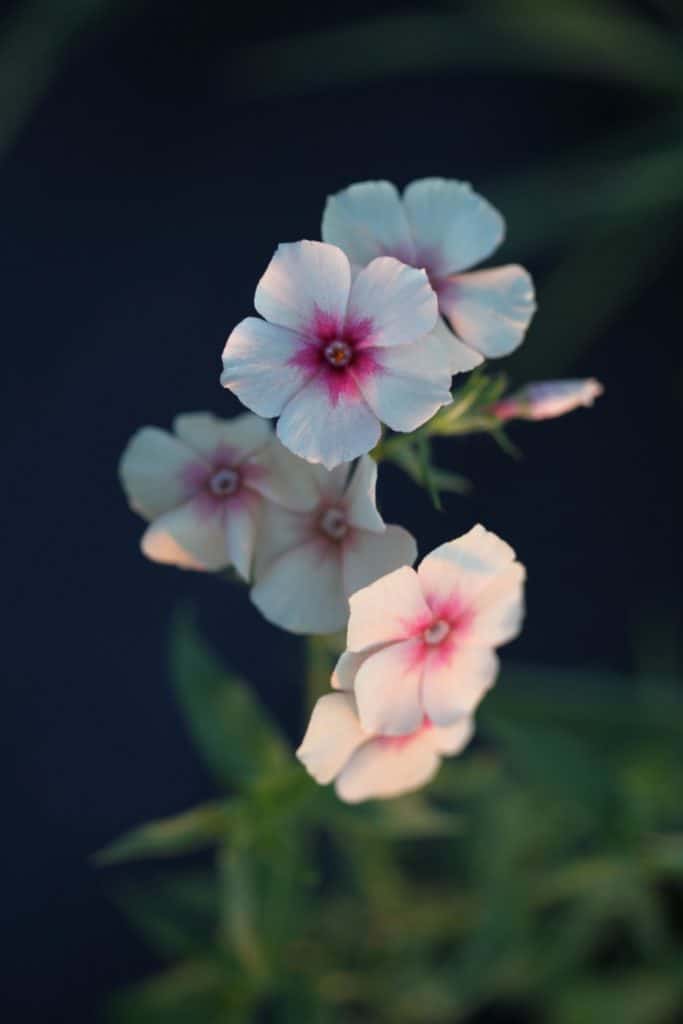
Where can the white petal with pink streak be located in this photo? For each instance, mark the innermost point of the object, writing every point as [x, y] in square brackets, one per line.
[386, 610]
[453, 227]
[397, 299]
[381, 768]
[303, 279]
[490, 309]
[368, 220]
[258, 367]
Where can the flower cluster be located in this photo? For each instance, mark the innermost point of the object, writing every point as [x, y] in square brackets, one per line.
[361, 331]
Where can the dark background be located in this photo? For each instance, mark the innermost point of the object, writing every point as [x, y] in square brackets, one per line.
[150, 166]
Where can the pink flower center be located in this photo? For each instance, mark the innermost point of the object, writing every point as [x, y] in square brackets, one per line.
[333, 524]
[338, 353]
[436, 633]
[224, 482]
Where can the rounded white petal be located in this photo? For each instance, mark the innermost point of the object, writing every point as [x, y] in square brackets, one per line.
[452, 225]
[151, 471]
[397, 300]
[367, 220]
[302, 590]
[333, 734]
[462, 568]
[258, 365]
[207, 433]
[386, 610]
[345, 671]
[187, 538]
[412, 383]
[282, 477]
[384, 768]
[453, 685]
[499, 608]
[360, 499]
[387, 689]
[459, 358]
[320, 428]
[241, 523]
[302, 280]
[490, 309]
[281, 530]
[452, 739]
[367, 556]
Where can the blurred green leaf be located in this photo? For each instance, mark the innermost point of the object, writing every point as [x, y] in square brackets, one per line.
[633, 997]
[176, 913]
[232, 730]
[168, 837]
[194, 992]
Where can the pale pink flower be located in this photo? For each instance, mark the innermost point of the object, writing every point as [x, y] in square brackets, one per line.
[309, 561]
[422, 643]
[202, 488]
[544, 400]
[367, 766]
[445, 227]
[334, 357]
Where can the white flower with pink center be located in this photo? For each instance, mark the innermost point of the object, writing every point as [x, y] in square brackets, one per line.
[547, 399]
[202, 488]
[335, 357]
[309, 561]
[446, 228]
[422, 643]
[367, 766]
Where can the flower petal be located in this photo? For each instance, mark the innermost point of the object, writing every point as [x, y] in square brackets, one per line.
[490, 309]
[452, 225]
[360, 499]
[452, 739]
[281, 530]
[333, 734]
[241, 522]
[499, 608]
[453, 685]
[302, 280]
[459, 358]
[367, 220]
[346, 669]
[396, 301]
[411, 384]
[367, 556]
[187, 538]
[206, 433]
[328, 429]
[386, 610]
[462, 568]
[387, 689]
[259, 367]
[281, 477]
[152, 471]
[302, 590]
[384, 768]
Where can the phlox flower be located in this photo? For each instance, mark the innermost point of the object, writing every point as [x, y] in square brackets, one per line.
[333, 357]
[422, 643]
[310, 560]
[544, 400]
[367, 766]
[202, 488]
[447, 228]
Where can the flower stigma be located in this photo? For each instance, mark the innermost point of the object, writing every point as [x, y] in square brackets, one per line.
[338, 354]
[333, 524]
[437, 632]
[224, 482]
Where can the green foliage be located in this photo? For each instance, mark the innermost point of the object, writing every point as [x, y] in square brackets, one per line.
[542, 867]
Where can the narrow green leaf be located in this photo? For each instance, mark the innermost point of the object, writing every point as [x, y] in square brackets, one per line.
[177, 913]
[232, 730]
[170, 837]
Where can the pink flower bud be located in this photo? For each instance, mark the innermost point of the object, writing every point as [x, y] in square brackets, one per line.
[544, 400]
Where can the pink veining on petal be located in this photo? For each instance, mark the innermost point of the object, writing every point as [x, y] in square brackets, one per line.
[397, 743]
[221, 482]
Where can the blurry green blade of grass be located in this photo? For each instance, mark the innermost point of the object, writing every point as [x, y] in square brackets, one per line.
[595, 284]
[193, 992]
[35, 40]
[564, 38]
[633, 997]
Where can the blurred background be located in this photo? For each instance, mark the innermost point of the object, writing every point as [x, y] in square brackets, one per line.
[152, 155]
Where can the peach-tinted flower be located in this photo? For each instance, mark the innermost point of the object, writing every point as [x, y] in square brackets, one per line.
[309, 561]
[422, 643]
[446, 228]
[202, 488]
[366, 766]
[335, 357]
